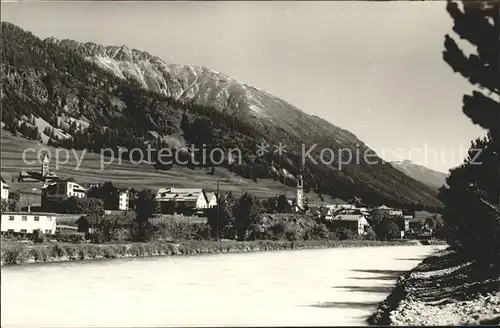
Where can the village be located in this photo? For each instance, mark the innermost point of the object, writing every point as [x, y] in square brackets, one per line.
[52, 219]
[181, 163]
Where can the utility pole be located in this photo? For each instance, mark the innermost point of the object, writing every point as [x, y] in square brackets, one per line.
[495, 136]
[28, 207]
[496, 133]
[217, 211]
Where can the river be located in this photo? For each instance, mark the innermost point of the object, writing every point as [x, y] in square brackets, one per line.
[339, 286]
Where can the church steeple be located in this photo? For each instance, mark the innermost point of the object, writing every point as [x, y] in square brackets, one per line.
[300, 193]
[45, 166]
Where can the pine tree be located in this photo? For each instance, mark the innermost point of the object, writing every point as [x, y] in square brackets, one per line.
[478, 23]
[471, 223]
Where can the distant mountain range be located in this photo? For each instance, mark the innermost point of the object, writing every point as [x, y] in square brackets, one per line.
[94, 96]
[427, 176]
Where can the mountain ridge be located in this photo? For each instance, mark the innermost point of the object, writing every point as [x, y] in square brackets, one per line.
[432, 178]
[124, 93]
[188, 90]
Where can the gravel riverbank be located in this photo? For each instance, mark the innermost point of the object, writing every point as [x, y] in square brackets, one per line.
[443, 290]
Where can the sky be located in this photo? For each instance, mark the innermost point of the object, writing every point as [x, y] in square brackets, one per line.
[373, 68]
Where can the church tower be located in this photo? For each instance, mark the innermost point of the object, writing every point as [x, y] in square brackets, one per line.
[300, 193]
[45, 166]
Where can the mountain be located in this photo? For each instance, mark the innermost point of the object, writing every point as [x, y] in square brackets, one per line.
[431, 178]
[205, 87]
[90, 96]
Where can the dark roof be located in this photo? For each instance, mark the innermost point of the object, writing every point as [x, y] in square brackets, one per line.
[32, 175]
[31, 213]
[423, 214]
[66, 179]
[418, 220]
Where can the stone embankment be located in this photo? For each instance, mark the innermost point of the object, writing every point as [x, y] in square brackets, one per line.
[18, 253]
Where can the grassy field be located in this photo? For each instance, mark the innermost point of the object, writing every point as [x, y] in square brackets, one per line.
[126, 174]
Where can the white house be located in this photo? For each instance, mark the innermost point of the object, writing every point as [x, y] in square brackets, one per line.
[24, 222]
[337, 207]
[356, 222]
[62, 189]
[337, 204]
[123, 200]
[5, 190]
[58, 191]
[190, 199]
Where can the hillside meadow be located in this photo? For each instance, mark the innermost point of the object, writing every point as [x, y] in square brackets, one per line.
[126, 174]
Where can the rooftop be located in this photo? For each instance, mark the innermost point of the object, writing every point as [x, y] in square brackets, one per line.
[31, 213]
[179, 194]
[348, 217]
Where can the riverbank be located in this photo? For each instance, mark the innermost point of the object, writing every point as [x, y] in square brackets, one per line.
[17, 253]
[443, 290]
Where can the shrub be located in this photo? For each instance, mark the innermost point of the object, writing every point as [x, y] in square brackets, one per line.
[5, 205]
[175, 230]
[142, 230]
[149, 249]
[370, 235]
[292, 234]
[92, 251]
[98, 237]
[388, 230]
[38, 237]
[120, 235]
[70, 238]
[36, 254]
[72, 252]
[15, 255]
[223, 219]
[39, 254]
[57, 251]
[333, 235]
[346, 234]
[134, 250]
[109, 252]
[278, 230]
[268, 234]
[317, 231]
[82, 254]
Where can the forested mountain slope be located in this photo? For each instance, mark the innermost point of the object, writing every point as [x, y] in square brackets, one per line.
[96, 97]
